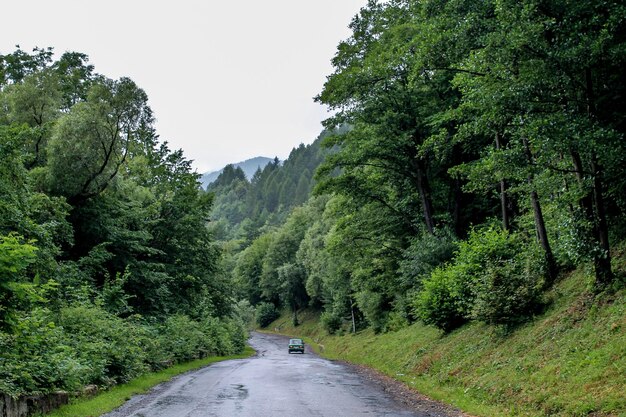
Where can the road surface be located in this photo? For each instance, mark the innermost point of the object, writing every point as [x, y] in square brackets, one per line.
[271, 384]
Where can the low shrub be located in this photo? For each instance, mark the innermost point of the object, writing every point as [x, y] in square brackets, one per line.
[219, 335]
[374, 307]
[112, 348]
[443, 299]
[244, 312]
[84, 344]
[509, 291]
[495, 277]
[37, 359]
[266, 313]
[237, 334]
[183, 339]
[424, 254]
[331, 321]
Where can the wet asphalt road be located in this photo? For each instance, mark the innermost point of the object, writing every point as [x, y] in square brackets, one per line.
[273, 383]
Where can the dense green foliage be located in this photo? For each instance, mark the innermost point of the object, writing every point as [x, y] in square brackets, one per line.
[494, 278]
[266, 313]
[107, 266]
[243, 207]
[474, 154]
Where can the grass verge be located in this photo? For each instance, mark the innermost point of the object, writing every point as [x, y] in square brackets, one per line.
[569, 361]
[109, 400]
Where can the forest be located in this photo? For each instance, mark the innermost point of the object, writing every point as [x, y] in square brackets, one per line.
[107, 268]
[474, 154]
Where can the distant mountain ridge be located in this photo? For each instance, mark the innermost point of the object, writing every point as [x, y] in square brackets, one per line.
[249, 167]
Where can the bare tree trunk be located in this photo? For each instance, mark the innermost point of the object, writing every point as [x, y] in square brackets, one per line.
[504, 203]
[352, 314]
[602, 261]
[456, 214]
[592, 202]
[566, 186]
[423, 187]
[543, 236]
[295, 315]
[540, 225]
[585, 202]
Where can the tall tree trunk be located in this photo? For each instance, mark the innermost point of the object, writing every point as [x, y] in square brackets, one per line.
[504, 206]
[543, 236]
[352, 314]
[540, 224]
[566, 187]
[585, 202]
[423, 187]
[504, 203]
[295, 314]
[422, 184]
[602, 258]
[456, 213]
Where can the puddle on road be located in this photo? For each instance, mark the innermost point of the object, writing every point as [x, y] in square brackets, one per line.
[322, 381]
[242, 391]
[370, 398]
[233, 392]
[175, 400]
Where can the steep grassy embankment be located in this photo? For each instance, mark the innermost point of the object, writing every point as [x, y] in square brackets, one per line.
[571, 361]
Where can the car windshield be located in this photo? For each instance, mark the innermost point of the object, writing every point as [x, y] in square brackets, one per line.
[295, 341]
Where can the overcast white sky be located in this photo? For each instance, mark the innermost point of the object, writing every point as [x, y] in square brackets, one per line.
[227, 80]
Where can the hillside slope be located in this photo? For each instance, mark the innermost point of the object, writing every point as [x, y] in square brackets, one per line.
[571, 361]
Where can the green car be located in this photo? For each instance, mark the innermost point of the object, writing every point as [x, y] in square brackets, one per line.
[296, 345]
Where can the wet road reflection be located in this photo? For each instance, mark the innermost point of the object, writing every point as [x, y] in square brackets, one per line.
[271, 384]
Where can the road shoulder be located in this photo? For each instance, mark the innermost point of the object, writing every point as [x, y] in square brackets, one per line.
[406, 395]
